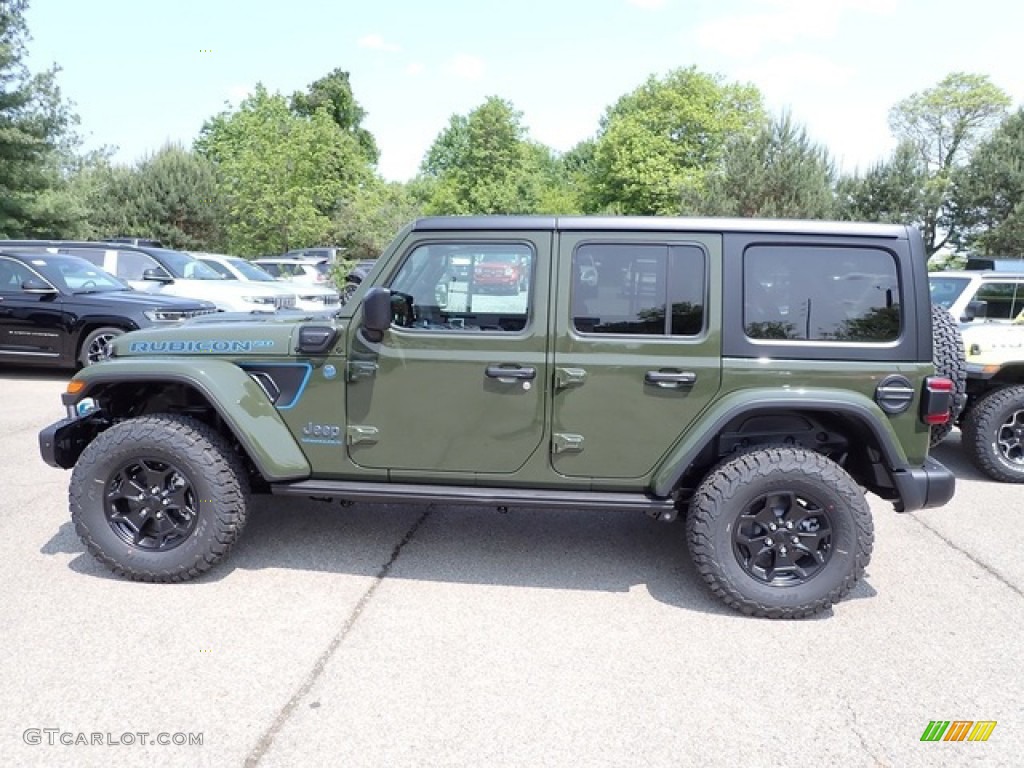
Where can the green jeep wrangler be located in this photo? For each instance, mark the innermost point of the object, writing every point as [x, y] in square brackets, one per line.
[756, 378]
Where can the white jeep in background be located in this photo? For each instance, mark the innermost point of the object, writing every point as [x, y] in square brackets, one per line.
[309, 297]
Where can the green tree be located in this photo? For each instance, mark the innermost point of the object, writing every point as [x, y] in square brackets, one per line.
[484, 163]
[894, 190]
[944, 124]
[369, 221]
[333, 92]
[778, 173]
[989, 193]
[281, 176]
[657, 144]
[37, 138]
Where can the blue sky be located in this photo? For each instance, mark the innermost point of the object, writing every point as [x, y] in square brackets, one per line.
[142, 74]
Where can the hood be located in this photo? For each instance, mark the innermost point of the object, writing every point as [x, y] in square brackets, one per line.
[241, 336]
[141, 299]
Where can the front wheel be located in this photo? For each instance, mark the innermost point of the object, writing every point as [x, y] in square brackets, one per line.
[95, 346]
[159, 498]
[993, 434]
[780, 532]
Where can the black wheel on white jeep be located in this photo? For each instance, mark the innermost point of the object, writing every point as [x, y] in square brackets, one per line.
[993, 434]
[780, 532]
[159, 498]
[951, 362]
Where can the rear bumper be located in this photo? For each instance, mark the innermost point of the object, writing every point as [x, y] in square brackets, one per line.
[922, 487]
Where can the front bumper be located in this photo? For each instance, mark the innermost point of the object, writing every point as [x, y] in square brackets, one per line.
[923, 487]
[61, 443]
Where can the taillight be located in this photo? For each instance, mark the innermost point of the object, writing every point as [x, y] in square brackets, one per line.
[937, 400]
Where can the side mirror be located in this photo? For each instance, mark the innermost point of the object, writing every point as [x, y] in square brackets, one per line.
[376, 313]
[158, 275]
[975, 310]
[39, 287]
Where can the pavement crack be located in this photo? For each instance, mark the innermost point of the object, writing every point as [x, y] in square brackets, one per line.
[855, 727]
[980, 563]
[267, 739]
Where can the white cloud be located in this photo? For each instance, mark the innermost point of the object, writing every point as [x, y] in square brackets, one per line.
[780, 77]
[782, 22]
[238, 93]
[415, 68]
[647, 5]
[467, 67]
[377, 43]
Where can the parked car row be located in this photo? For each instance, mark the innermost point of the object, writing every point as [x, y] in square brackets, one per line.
[62, 301]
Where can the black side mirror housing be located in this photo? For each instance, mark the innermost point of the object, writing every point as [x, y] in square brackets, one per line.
[36, 286]
[975, 310]
[157, 275]
[376, 313]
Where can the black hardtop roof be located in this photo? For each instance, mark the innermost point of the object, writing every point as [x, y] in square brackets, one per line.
[660, 224]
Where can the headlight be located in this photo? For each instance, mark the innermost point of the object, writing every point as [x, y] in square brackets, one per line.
[165, 315]
[259, 299]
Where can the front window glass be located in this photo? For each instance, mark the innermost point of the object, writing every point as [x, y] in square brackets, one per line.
[464, 287]
[946, 290]
[251, 271]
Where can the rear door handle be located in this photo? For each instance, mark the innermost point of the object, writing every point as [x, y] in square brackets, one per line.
[524, 373]
[671, 379]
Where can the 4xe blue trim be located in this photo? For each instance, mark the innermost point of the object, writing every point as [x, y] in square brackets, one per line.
[298, 392]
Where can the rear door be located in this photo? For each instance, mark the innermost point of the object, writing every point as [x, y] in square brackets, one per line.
[637, 350]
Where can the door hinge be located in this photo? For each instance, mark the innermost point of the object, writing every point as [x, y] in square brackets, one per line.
[360, 369]
[562, 442]
[358, 433]
[569, 377]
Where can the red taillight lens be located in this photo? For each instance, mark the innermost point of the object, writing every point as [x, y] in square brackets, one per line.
[937, 400]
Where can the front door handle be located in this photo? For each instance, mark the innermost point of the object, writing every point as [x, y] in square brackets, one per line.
[524, 373]
[671, 379]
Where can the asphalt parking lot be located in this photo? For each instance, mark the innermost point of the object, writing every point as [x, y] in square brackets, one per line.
[428, 636]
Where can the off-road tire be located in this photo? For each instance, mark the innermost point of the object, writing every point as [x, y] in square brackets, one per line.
[951, 362]
[88, 352]
[735, 487]
[208, 463]
[981, 430]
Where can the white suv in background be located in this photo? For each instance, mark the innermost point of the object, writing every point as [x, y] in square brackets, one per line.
[176, 273]
[309, 297]
[315, 271]
[990, 296]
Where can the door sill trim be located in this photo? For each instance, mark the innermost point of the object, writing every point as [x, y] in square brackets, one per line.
[471, 494]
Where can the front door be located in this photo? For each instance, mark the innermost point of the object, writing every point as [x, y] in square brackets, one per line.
[637, 350]
[459, 383]
[32, 325]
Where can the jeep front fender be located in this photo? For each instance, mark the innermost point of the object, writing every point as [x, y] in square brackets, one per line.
[749, 401]
[229, 390]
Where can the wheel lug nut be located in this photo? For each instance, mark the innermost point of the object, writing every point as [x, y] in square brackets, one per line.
[782, 550]
[159, 515]
[796, 540]
[789, 524]
[772, 526]
[165, 502]
[768, 542]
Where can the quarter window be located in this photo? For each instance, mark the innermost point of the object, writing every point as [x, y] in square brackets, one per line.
[639, 289]
[820, 293]
[464, 287]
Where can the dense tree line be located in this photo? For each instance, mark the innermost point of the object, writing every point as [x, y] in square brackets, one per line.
[278, 172]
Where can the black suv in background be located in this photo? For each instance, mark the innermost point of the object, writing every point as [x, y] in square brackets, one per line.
[61, 310]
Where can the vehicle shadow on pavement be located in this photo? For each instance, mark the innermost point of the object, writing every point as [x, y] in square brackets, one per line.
[951, 453]
[28, 373]
[529, 548]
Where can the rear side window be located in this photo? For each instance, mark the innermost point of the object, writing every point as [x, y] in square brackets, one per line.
[821, 293]
[646, 289]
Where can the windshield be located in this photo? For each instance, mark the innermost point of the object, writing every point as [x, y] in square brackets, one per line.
[252, 271]
[76, 275]
[186, 266]
[946, 290]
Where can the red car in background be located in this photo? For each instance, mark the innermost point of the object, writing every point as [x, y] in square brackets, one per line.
[500, 271]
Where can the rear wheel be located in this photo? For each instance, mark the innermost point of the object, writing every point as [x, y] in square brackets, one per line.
[993, 434]
[780, 532]
[950, 361]
[159, 498]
